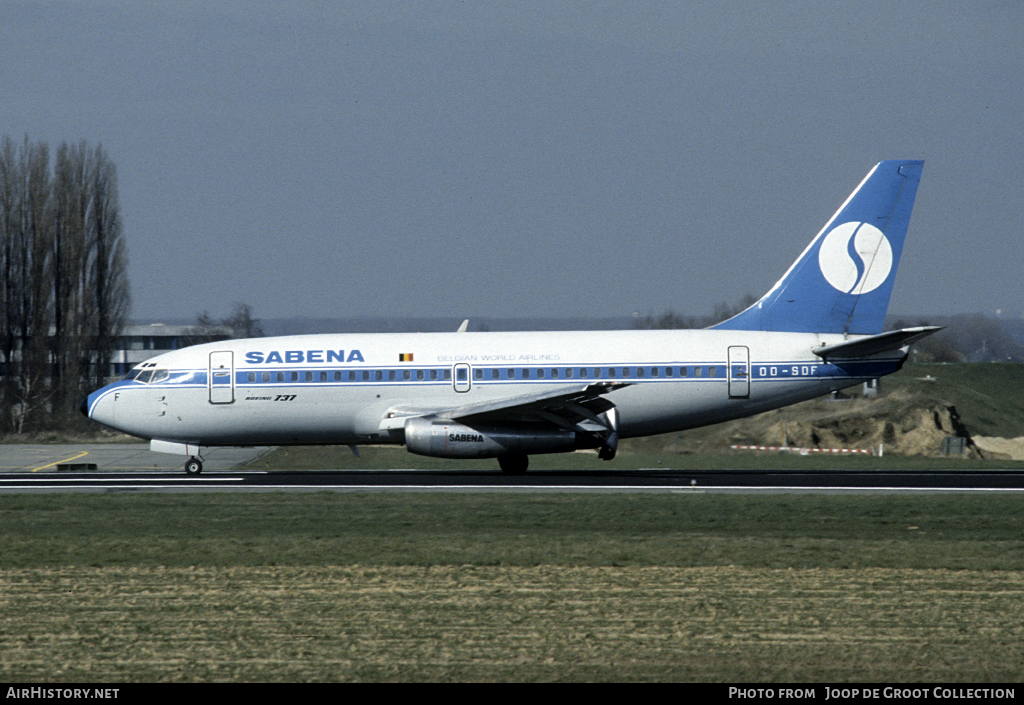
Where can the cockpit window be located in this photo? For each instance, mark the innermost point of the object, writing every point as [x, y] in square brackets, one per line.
[147, 376]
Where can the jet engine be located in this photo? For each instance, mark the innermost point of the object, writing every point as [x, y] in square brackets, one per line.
[439, 438]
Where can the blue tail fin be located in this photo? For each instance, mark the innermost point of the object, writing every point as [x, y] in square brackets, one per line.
[842, 281]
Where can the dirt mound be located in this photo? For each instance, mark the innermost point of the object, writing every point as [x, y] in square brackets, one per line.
[1007, 448]
[900, 422]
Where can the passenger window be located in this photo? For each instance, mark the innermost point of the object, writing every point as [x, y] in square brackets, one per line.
[433, 374]
[668, 371]
[712, 371]
[337, 375]
[447, 375]
[406, 375]
[698, 371]
[611, 372]
[280, 376]
[378, 375]
[295, 376]
[682, 371]
[654, 372]
[323, 375]
[639, 371]
[250, 376]
[366, 375]
[309, 376]
[510, 373]
[568, 373]
[478, 373]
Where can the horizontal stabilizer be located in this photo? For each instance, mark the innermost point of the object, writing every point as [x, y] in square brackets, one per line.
[883, 342]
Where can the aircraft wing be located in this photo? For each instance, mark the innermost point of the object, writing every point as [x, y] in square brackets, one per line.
[883, 342]
[569, 407]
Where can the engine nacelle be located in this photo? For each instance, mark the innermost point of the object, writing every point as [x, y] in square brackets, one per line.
[448, 439]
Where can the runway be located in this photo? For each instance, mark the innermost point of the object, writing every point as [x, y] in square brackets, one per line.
[641, 481]
[133, 468]
[49, 457]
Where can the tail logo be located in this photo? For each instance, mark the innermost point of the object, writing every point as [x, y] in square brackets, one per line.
[855, 258]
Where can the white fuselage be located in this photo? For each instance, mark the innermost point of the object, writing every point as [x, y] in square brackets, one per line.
[342, 389]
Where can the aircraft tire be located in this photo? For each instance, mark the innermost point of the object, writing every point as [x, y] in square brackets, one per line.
[514, 464]
[194, 466]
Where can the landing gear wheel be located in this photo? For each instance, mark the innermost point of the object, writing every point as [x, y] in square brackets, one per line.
[194, 466]
[514, 464]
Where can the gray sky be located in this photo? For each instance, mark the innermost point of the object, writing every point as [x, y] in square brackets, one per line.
[333, 159]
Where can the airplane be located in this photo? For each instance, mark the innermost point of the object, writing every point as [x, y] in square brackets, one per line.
[509, 395]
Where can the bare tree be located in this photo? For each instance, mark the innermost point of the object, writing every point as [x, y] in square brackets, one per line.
[69, 356]
[106, 276]
[63, 279]
[9, 178]
[34, 271]
[205, 330]
[24, 277]
[671, 320]
[240, 324]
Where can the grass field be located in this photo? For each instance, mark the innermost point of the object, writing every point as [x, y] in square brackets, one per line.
[689, 586]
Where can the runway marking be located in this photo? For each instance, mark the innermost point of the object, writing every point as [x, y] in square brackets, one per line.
[623, 488]
[61, 481]
[58, 462]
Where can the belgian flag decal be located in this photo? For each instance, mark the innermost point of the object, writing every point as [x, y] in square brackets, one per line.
[405, 357]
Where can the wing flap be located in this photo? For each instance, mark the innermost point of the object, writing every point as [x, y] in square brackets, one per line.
[567, 406]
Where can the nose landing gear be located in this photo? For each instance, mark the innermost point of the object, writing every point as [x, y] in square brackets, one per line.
[194, 466]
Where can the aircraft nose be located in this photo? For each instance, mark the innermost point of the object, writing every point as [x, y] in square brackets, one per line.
[101, 407]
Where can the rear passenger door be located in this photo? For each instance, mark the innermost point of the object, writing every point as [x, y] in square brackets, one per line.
[739, 372]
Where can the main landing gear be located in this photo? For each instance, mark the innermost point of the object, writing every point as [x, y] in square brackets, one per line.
[194, 466]
[514, 464]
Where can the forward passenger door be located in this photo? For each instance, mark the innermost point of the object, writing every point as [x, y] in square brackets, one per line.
[221, 379]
